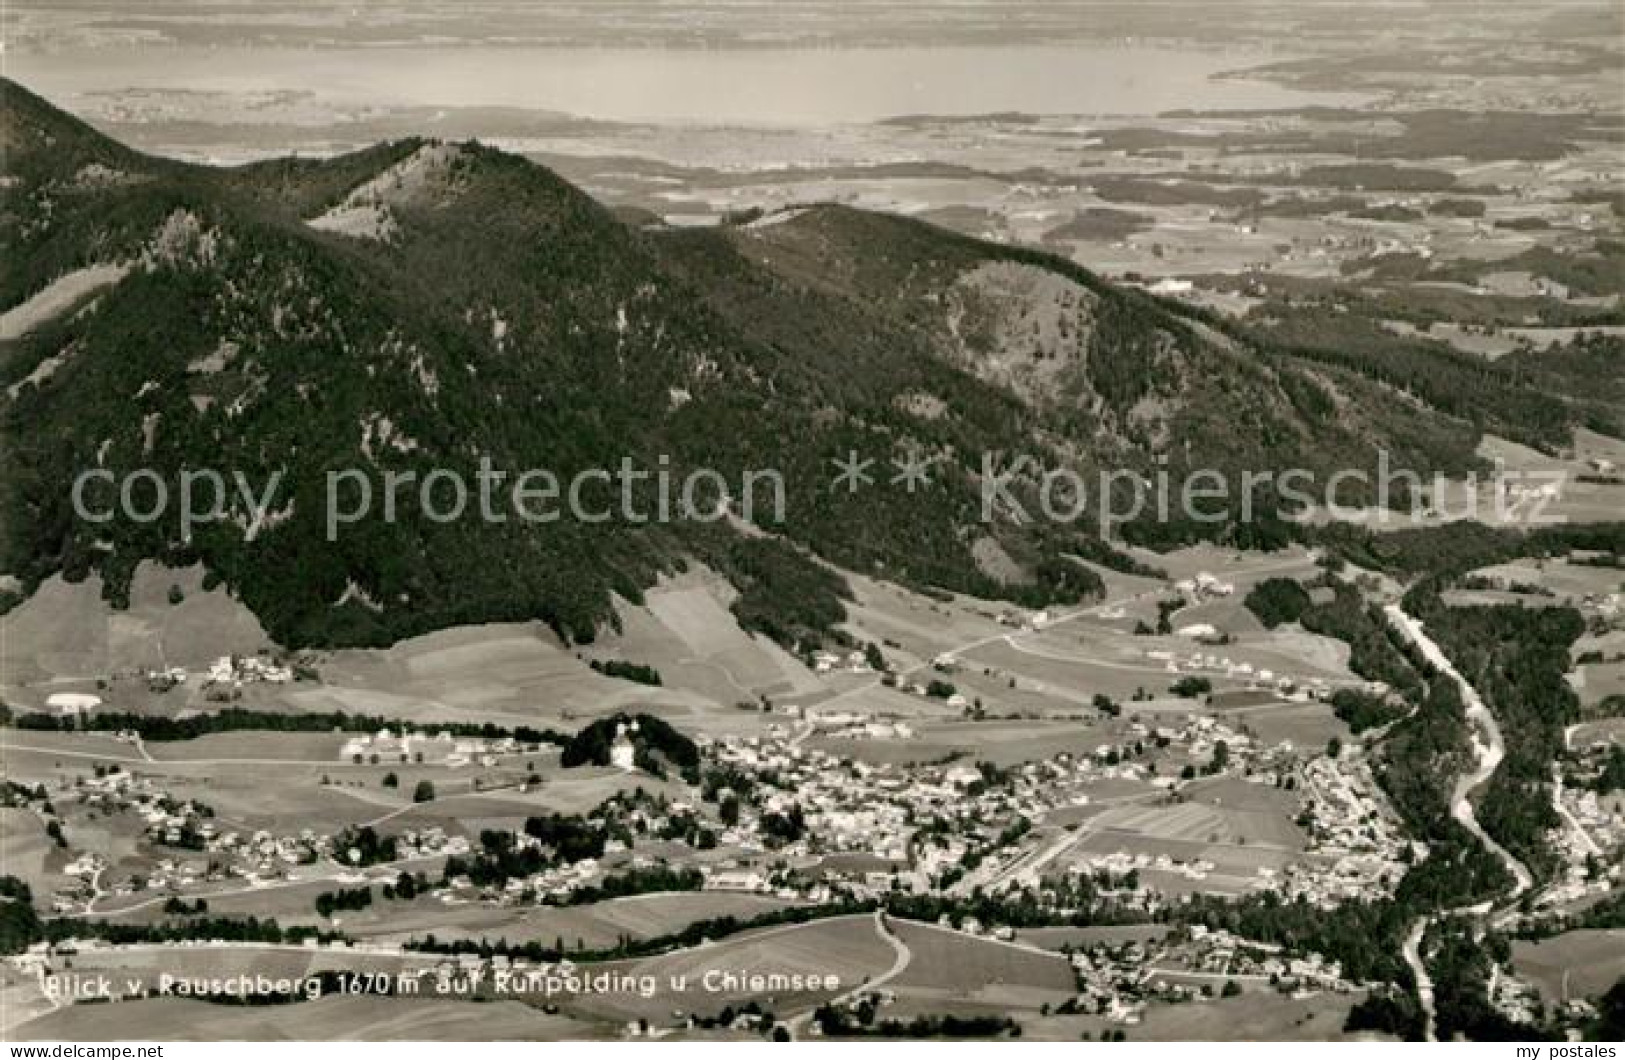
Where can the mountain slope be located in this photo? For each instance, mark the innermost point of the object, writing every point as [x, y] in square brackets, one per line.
[421, 305]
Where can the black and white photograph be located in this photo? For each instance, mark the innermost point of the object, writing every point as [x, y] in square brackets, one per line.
[822, 521]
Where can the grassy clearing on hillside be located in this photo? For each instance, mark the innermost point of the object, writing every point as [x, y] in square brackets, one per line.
[1573, 965]
[951, 968]
[1001, 742]
[686, 632]
[1257, 1016]
[479, 672]
[847, 947]
[26, 852]
[1304, 725]
[68, 631]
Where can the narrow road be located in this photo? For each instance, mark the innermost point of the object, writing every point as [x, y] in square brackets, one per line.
[796, 1024]
[1027, 865]
[179, 763]
[1584, 837]
[96, 892]
[340, 875]
[184, 763]
[970, 645]
[1060, 620]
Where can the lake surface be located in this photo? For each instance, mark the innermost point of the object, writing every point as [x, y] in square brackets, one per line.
[785, 87]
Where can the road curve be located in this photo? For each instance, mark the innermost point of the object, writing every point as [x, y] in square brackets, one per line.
[899, 965]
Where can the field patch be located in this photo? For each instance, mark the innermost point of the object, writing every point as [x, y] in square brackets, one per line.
[1256, 1016]
[846, 947]
[1001, 742]
[509, 673]
[1575, 964]
[67, 632]
[685, 631]
[1303, 725]
[1235, 838]
[949, 967]
[1195, 822]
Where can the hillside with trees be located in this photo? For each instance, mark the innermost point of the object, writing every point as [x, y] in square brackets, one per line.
[496, 317]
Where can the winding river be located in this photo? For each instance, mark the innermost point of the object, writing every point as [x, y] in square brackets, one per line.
[1489, 748]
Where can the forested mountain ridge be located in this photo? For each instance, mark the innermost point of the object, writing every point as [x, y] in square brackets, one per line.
[421, 305]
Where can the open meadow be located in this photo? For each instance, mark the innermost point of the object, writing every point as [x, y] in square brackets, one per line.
[705, 978]
[952, 972]
[1576, 964]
